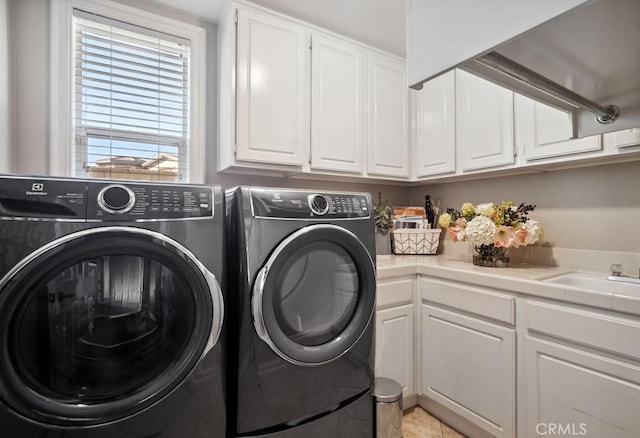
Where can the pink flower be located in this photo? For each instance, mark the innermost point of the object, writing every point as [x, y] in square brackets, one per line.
[505, 237]
[461, 222]
[459, 231]
[521, 237]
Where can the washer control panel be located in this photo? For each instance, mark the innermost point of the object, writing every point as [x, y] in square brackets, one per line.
[131, 201]
[116, 199]
[274, 203]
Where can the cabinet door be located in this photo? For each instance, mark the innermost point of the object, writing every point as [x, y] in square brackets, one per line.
[271, 102]
[628, 137]
[543, 131]
[468, 366]
[484, 123]
[394, 346]
[387, 126]
[337, 105]
[582, 393]
[435, 131]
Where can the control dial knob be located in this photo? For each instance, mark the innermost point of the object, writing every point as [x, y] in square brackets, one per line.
[319, 204]
[116, 199]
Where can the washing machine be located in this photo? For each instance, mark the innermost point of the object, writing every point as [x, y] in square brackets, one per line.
[111, 309]
[301, 301]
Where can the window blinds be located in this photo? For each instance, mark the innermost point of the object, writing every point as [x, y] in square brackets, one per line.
[131, 101]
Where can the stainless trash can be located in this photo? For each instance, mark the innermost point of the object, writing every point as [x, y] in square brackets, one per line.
[388, 397]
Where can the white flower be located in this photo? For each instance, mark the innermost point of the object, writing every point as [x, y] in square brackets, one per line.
[534, 232]
[480, 230]
[486, 209]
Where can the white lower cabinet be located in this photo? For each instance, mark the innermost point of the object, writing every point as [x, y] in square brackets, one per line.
[468, 366]
[575, 369]
[395, 329]
[581, 371]
[580, 393]
[394, 345]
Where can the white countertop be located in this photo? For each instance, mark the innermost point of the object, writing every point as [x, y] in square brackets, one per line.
[517, 278]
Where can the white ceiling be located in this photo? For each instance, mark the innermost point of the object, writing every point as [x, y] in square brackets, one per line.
[379, 23]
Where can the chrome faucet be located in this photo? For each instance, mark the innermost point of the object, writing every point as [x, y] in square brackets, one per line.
[616, 275]
[616, 269]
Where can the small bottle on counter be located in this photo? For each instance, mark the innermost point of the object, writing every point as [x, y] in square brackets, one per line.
[429, 210]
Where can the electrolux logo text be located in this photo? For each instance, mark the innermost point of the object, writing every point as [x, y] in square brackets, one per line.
[559, 429]
[37, 189]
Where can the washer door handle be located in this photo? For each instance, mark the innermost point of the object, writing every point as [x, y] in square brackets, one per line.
[256, 305]
[218, 308]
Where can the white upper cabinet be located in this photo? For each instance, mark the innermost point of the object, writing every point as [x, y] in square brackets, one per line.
[627, 138]
[271, 83]
[337, 105]
[543, 131]
[435, 127]
[484, 123]
[388, 139]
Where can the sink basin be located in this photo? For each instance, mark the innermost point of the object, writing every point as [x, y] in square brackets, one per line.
[591, 281]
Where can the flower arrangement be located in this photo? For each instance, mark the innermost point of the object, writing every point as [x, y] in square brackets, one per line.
[505, 225]
[492, 229]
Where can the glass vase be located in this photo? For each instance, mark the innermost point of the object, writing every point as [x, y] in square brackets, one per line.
[491, 256]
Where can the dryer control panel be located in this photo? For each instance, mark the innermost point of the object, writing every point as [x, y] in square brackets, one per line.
[138, 201]
[301, 204]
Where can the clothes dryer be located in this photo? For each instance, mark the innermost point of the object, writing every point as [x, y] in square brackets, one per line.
[301, 307]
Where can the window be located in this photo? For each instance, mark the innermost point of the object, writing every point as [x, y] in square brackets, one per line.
[132, 103]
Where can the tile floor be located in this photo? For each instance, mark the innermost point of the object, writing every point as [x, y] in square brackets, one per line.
[418, 423]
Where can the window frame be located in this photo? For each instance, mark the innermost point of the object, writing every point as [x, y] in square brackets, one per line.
[61, 117]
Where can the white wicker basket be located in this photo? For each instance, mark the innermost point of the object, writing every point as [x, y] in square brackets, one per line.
[411, 241]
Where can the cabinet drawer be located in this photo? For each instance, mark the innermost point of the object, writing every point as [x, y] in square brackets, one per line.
[595, 329]
[394, 292]
[470, 299]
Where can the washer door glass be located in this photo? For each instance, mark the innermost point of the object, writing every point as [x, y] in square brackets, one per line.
[315, 296]
[101, 324]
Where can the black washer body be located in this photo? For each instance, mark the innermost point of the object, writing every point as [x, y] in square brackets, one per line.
[111, 321]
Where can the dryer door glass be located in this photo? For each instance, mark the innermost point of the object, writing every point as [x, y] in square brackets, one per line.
[101, 325]
[315, 293]
[315, 296]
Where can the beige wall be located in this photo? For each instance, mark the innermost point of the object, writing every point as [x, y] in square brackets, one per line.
[596, 208]
[5, 127]
[5, 105]
[29, 24]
